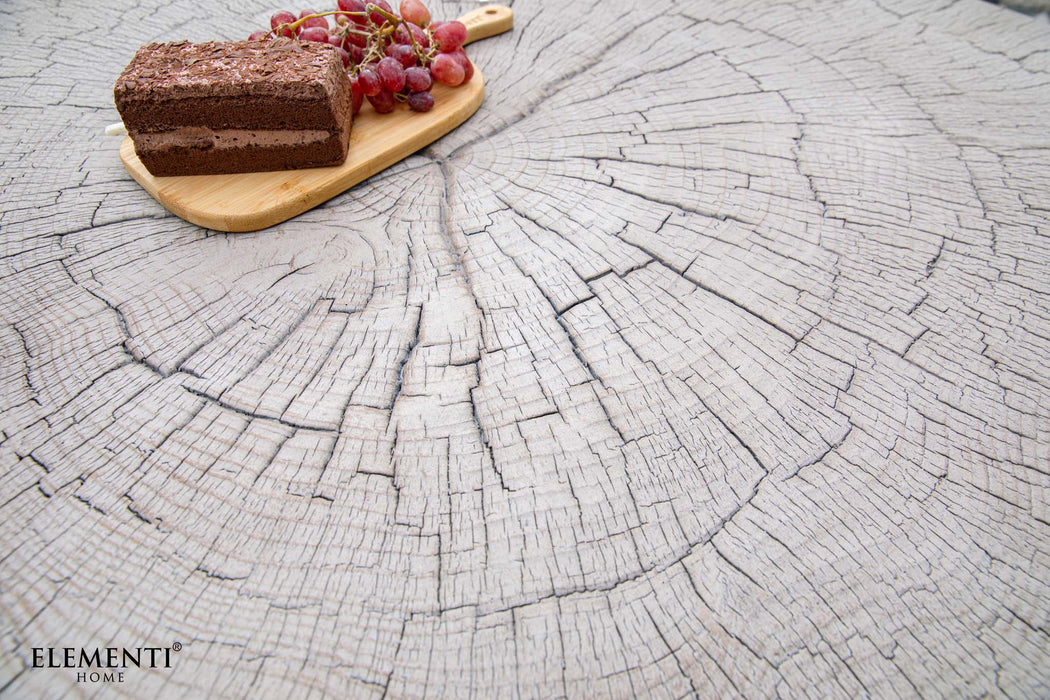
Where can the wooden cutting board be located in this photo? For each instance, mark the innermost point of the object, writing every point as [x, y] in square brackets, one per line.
[251, 201]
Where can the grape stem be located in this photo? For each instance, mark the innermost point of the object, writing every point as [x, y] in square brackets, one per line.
[391, 17]
[279, 29]
[375, 38]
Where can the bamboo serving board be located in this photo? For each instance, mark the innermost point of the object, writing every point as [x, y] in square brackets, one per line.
[251, 201]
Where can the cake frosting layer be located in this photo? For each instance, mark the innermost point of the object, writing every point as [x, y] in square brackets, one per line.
[276, 68]
[205, 138]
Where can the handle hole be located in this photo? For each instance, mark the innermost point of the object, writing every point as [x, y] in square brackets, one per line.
[490, 12]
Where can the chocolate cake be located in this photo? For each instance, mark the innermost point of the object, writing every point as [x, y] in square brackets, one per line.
[236, 107]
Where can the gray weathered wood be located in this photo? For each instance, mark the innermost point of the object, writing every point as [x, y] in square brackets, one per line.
[711, 357]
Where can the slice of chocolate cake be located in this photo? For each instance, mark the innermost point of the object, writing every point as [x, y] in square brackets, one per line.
[236, 107]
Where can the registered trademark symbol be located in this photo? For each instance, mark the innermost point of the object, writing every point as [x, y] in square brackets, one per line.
[176, 646]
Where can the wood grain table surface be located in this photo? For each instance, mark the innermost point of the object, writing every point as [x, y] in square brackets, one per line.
[710, 358]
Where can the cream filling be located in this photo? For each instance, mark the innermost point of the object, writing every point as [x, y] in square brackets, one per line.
[204, 138]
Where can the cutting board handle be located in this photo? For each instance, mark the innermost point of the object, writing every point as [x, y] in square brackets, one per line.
[487, 21]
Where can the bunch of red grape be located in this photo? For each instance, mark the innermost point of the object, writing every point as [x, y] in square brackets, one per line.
[389, 57]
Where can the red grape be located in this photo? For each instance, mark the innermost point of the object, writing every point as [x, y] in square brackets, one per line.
[450, 36]
[415, 12]
[420, 36]
[355, 6]
[321, 22]
[403, 35]
[259, 35]
[368, 79]
[447, 70]
[468, 67]
[283, 17]
[417, 79]
[343, 56]
[420, 101]
[403, 53]
[391, 73]
[383, 102]
[352, 36]
[314, 34]
[357, 97]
